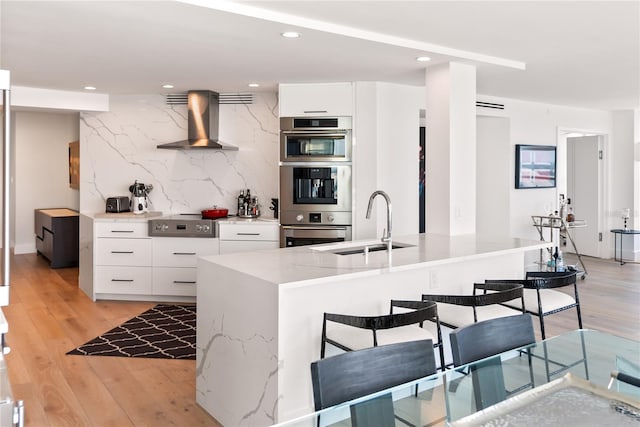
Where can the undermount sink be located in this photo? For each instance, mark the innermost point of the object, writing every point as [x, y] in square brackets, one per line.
[372, 248]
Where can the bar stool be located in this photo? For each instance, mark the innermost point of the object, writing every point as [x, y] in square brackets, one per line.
[541, 297]
[349, 332]
[455, 311]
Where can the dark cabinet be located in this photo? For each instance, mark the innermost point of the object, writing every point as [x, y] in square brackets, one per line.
[57, 236]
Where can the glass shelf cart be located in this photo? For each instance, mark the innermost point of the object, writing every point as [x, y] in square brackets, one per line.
[558, 225]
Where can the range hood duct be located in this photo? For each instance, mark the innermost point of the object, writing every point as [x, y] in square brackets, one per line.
[202, 123]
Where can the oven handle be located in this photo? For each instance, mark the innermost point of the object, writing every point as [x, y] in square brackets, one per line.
[314, 132]
[302, 231]
[311, 227]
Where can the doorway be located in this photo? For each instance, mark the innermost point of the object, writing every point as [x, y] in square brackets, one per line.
[583, 187]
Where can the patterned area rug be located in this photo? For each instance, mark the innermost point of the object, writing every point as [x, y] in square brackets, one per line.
[165, 331]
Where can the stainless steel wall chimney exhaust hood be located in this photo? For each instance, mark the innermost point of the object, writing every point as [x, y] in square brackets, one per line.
[202, 123]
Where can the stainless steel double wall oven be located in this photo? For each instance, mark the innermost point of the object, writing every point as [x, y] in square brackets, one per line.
[315, 180]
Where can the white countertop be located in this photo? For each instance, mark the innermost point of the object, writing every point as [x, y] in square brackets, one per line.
[311, 264]
[122, 216]
[241, 220]
[131, 217]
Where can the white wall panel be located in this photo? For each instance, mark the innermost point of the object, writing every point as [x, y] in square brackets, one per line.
[119, 147]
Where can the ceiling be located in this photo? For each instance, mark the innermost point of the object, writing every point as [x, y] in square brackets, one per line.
[580, 53]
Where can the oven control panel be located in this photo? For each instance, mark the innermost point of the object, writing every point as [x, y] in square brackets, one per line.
[178, 227]
[315, 218]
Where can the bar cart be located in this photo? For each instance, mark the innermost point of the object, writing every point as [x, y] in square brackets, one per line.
[552, 223]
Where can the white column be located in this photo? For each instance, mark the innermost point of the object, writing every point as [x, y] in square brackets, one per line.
[451, 149]
[635, 221]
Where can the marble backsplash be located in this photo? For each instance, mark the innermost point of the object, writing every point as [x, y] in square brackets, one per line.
[119, 147]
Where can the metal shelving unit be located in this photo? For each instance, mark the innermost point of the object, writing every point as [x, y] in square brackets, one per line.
[551, 222]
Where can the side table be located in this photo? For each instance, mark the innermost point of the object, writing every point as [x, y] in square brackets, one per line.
[56, 233]
[621, 232]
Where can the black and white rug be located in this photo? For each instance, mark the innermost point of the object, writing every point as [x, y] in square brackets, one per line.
[165, 331]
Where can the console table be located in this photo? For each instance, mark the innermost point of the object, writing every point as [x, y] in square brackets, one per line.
[621, 232]
[57, 236]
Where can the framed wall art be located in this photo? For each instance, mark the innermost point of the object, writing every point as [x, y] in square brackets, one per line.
[535, 166]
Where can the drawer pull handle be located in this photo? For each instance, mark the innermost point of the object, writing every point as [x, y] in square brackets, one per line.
[315, 111]
[122, 231]
[122, 280]
[184, 282]
[121, 252]
[184, 253]
[247, 234]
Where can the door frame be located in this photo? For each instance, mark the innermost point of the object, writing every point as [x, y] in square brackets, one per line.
[604, 246]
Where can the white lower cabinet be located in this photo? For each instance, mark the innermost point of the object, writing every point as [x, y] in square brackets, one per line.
[127, 264]
[230, 246]
[251, 236]
[122, 259]
[174, 263]
[174, 281]
[122, 280]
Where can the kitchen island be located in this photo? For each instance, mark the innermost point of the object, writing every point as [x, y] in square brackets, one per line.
[260, 313]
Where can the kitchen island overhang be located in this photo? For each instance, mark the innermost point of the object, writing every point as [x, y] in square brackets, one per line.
[260, 313]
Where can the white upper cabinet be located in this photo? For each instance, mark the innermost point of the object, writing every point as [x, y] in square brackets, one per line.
[318, 99]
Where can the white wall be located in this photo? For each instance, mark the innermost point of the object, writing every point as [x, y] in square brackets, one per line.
[365, 140]
[622, 196]
[388, 141]
[536, 123]
[119, 147]
[493, 172]
[636, 173]
[41, 169]
[625, 190]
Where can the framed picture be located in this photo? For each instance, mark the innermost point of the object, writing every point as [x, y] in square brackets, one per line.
[74, 165]
[535, 166]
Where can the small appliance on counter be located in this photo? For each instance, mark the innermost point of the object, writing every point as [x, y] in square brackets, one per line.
[140, 197]
[117, 204]
[248, 207]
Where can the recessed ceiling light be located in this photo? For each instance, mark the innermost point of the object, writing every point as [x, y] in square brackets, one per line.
[89, 88]
[423, 58]
[253, 85]
[167, 86]
[290, 34]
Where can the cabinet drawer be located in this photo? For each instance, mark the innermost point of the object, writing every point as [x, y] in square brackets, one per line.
[182, 252]
[132, 252]
[122, 280]
[121, 229]
[249, 232]
[41, 221]
[174, 281]
[234, 246]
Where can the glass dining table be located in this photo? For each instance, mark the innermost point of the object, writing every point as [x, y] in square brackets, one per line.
[461, 396]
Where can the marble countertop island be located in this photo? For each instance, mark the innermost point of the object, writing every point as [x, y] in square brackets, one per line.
[305, 265]
[259, 319]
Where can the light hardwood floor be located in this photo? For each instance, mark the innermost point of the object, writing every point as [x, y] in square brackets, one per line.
[48, 315]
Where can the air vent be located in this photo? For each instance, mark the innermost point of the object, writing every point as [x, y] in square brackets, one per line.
[225, 98]
[236, 98]
[489, 105]
[176, 98]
